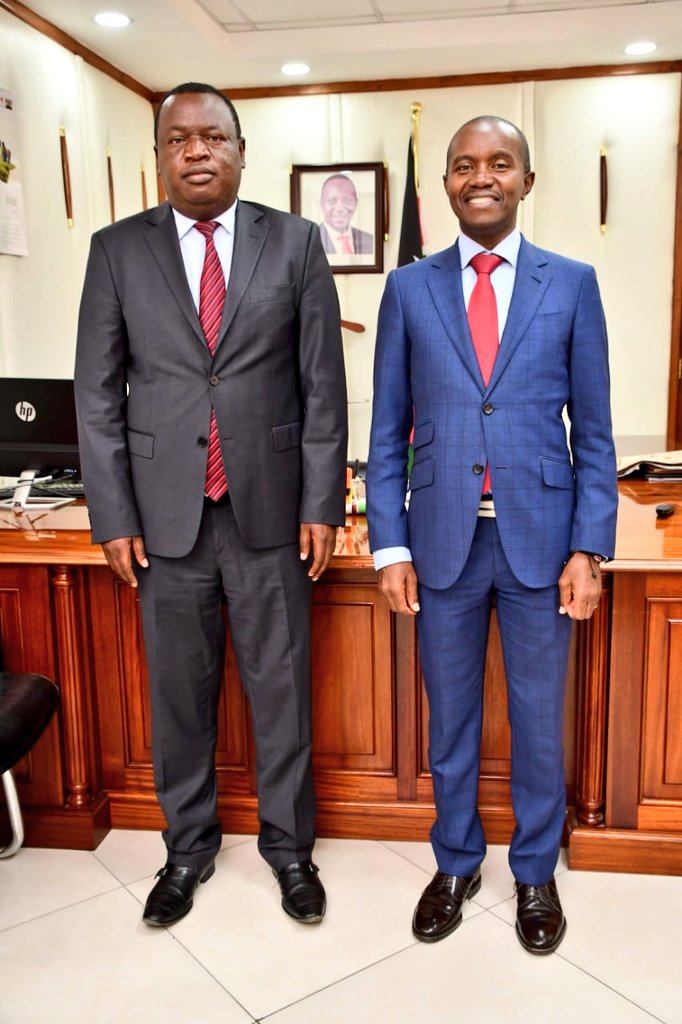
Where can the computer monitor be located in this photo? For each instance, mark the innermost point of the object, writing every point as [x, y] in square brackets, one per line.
[38, 436]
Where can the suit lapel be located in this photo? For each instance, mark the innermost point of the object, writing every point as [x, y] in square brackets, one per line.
[162, 238]
[327, 243]
[530, 284]
[444, 281]
[251, 230]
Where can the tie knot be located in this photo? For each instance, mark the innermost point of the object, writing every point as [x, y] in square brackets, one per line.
[207, 227]
[485, 262]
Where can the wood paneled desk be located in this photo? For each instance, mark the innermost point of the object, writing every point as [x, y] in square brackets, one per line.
[629, 807]
[62, 613]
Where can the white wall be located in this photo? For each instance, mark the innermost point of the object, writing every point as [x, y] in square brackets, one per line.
[39, 293]
[636, 118]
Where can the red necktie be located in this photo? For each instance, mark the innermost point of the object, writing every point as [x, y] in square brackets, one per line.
[346, 247]
[211, 302]
[482, 317]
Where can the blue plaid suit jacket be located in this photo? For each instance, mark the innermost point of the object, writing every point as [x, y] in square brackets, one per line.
[553, 493]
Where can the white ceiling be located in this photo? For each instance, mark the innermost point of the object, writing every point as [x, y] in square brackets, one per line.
[243, 43]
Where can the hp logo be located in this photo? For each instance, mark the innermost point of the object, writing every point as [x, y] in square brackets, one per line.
[25, 411]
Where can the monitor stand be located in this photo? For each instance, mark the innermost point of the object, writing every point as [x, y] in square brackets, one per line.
[20, 501]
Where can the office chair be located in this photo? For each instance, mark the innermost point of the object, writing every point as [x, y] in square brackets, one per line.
[27, 703]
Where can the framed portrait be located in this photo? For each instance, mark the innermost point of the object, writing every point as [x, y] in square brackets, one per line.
[349, 202]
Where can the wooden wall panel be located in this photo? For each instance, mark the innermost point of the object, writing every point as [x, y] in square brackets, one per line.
[644, 790]
[660, 798]
[352, 680]
[662, 730]
[355, 742]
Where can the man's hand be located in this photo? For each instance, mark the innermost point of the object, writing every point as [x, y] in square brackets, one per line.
[119, 554]
[398, 584]
[317, 539]
[579, 587]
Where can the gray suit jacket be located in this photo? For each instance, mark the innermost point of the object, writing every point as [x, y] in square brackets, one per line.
[146, 383]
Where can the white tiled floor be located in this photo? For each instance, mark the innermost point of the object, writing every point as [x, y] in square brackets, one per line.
[73, 947]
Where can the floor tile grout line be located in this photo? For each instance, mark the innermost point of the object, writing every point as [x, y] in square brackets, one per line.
[402, 856]
[376, 963]
[338, 981]
[206, 970]
[600, 981]
[58, 910]
[141, 878]
[362, 970]
[605, 984]
[498, 903]
[111, 871]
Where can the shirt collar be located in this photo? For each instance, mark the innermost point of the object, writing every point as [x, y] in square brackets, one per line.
[184, 224]
[507, 248]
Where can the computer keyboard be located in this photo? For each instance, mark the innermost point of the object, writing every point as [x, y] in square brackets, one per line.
[65, 488]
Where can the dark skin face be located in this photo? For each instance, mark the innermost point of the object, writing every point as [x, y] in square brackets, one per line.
[485, 180]
[200, 157]
[338, 201]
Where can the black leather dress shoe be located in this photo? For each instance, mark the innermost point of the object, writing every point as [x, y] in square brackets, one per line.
[303, 895]
[172, 896]
[439, 910]
[540, 921]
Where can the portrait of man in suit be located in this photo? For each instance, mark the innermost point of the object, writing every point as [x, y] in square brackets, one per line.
[482, 349]
[338, 202]
[212, 419]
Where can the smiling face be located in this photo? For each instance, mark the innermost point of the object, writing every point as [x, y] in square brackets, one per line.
[200, 157]
[485, 180]
[338, 201]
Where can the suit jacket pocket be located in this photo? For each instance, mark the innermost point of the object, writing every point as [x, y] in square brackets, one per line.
[422, 474]
[275, 293]
[141, 444]
[557, 474]
[288, 435]
[423, 434]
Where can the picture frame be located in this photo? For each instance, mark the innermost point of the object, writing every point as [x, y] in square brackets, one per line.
[349, 202]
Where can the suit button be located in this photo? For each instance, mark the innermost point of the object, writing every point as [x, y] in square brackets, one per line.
[202, 441]
[487, 408]
[478, 468]
[214, 380]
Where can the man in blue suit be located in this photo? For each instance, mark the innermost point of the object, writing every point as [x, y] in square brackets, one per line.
[532, 538]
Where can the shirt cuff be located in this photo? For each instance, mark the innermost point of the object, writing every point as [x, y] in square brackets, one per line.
[389, 556]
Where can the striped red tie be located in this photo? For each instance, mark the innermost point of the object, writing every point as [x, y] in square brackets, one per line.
[211, 302]
[482, 317]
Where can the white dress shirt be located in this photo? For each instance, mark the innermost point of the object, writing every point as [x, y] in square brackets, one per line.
[193, 246]
[502, 280]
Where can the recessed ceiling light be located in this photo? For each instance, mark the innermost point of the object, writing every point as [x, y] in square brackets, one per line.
[295, 69]
[639, 49]
[112, 19]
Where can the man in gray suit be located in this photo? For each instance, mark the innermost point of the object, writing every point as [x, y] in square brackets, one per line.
[154, 391]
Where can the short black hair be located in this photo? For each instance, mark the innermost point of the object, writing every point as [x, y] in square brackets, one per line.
[523, 141]
[196, 87]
